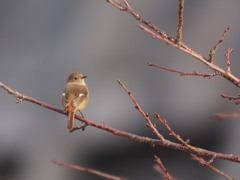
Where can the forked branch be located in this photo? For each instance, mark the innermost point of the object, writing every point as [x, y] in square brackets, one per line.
[157, 33]
[208, 164]
[134, 137]
[213, 51]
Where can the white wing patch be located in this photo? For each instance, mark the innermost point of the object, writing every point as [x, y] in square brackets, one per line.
[80, 95]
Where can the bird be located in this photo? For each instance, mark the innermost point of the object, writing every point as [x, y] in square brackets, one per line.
[75, 97]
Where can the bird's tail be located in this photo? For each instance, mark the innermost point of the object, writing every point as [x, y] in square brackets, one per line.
[70, 125]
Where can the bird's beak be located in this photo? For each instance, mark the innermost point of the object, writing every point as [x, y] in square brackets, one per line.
[84, 77]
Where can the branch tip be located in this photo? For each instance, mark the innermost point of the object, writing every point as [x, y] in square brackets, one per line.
[163, 171]
[213, 51]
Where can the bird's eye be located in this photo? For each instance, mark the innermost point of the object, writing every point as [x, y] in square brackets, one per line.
[75, 78]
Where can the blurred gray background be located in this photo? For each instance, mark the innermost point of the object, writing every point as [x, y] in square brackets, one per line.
[41, 42]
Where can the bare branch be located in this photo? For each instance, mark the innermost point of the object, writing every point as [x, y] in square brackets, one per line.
[155, 32]
[176, 136]
[213, 51]
[127, 4]
[207, 164]
[195, 150]
[165, 173]
[128, 9]
[235, 98]
[221, 116]
[20, 98]
[145, 115]
[117, 5]
[141, 139]
[187, 144]
[184, 73]
[180, 22]
[227, 55]
[184, 48]
[79, 127]
[231, 97]
[88, 170]
[164, 141]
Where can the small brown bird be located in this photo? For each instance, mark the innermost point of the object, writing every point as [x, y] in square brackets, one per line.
[75, 96]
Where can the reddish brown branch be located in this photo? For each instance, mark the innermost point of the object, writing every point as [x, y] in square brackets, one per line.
[171, 133]
[207, 164]
[213, 51]
[141, 139]
[187, 144]
[164, 171]
[127, 8]
[176, 136]
[155, 32]
[221, 116]
[186, 49]
[227, 55]
[230, 97]
[235, 98]
[20, 98]
[180, 22]
[79, 127]
[117, 5]
[153, 127]
[145, 115]
[88, 170]
[183, 73]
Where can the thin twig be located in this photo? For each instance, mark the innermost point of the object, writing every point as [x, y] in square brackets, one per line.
[184, 73]
[213, 51]
[88, 170]
[117, 5]
[79, 127]
[145, 115]
[127, 4]
[158, 169]
[176, 136]
[221, 116]
[165, 173]
[207, 164]
[180, 22]
[227, 55]
[134, 137]
[235, 98]
[231, 97]
[127, 8]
